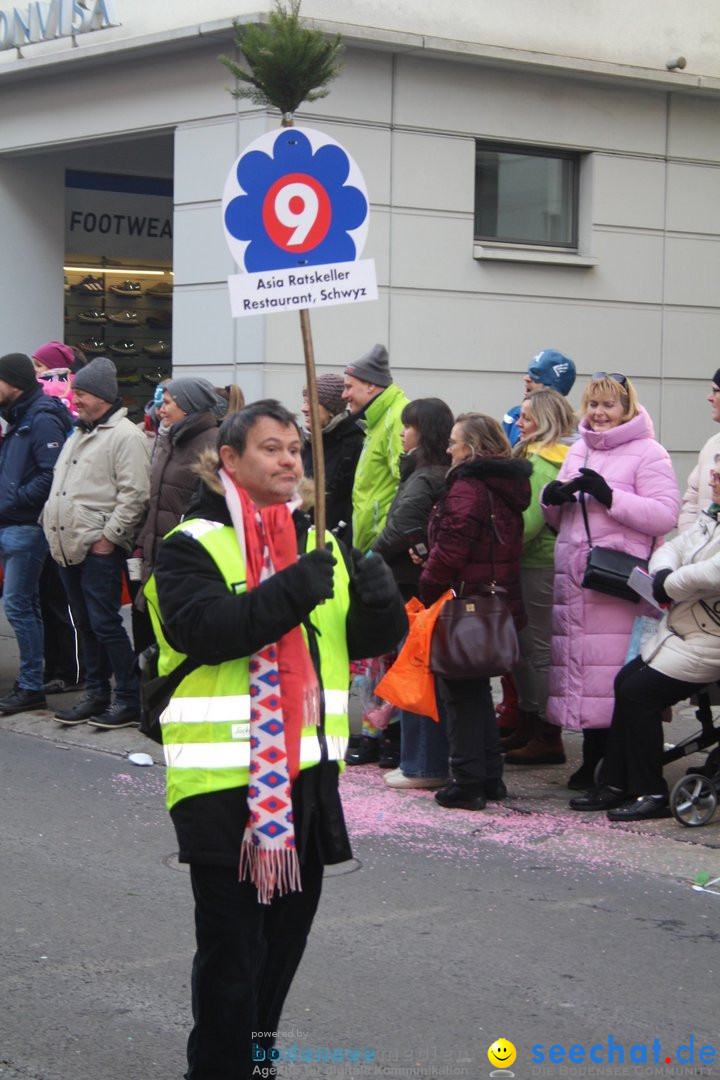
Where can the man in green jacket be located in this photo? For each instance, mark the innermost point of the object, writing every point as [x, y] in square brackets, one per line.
[377, 404]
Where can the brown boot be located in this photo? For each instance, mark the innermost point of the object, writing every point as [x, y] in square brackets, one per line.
[544, 748]
[523, 733]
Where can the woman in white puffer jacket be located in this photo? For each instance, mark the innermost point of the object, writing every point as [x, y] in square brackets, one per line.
[683, 653]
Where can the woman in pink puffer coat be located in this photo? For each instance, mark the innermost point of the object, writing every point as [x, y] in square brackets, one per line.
[631, 496]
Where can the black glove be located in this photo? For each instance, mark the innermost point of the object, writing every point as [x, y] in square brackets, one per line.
[373, 579]
[659, 593]
[317, 569]
[555, 494]
[593, 484]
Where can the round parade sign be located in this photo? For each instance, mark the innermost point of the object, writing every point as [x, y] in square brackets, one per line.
[294, 198]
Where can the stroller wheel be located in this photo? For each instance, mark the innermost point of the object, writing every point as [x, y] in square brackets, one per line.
[693, 800]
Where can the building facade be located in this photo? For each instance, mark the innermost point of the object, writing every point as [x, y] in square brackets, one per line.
[540, 175]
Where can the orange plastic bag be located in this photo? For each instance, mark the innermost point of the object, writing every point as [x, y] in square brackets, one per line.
[409, 683]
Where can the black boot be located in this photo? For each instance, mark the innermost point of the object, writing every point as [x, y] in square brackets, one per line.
[593, 751]
[522, 734]
[461, 796]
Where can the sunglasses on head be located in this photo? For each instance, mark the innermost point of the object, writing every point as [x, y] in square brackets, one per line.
[614, 375]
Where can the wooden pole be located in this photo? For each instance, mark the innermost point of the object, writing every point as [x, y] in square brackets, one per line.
[318, 457]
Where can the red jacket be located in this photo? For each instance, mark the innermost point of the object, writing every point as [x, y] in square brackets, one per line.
[460, 530]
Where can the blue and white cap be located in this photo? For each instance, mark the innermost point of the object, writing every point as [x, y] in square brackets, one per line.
[553, 369]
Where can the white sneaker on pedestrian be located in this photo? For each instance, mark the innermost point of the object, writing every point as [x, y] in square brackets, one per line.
[398, 779]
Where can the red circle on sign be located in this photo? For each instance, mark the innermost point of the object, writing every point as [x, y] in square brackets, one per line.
[297, 212]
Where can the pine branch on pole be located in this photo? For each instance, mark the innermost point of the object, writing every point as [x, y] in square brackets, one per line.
[288, 63]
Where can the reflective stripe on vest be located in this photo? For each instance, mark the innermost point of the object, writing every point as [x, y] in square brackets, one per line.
[224, 756]
[206, 727]
[233, 708]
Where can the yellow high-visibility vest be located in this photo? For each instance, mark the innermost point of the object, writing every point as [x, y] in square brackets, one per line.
[206, 726]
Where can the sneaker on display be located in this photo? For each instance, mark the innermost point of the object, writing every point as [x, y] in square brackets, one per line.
[159, 348]
[124, 318]
[94, 317]
[161, 291]
[124, 348]
[159, 320]
[93, 346]
[156, 377]
[127, 288]
[89, 284]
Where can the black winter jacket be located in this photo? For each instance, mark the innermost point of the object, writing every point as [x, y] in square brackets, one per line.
[38, 428]
[206, 621]
[407, 521]
[342, 443]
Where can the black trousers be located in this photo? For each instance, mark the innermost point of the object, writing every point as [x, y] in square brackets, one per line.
[247, 955]
[633, 755]
[467, 708]
[63, 644]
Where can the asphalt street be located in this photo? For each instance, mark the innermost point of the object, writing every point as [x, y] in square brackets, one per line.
[448, 931]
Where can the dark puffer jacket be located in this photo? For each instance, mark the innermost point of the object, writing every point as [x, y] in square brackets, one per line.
[460, 530]
[342, 443]
[172, 480]
[38, 428]
[407, 521]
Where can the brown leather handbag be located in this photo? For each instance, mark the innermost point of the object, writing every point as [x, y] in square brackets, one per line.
[475, 636]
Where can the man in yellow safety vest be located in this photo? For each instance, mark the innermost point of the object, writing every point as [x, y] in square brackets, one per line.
[254, 735]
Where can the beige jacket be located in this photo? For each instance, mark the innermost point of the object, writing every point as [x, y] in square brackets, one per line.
[686, 644]
[698, 494]
[101, 487]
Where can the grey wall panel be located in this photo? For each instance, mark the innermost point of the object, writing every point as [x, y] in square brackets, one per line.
[201, 253]
[435, 252]
[628, 191]
[32, 211]
[503, 334]
[693, 272]
[690, 344]
[694, 128]
[693, 203]
[433, 172]
[205, 152]
[490, 104]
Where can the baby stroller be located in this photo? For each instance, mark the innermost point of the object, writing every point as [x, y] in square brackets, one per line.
[694, 798]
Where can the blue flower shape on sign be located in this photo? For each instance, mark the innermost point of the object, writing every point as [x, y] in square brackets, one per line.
[297, 210]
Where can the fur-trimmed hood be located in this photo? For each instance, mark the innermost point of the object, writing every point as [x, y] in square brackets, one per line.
[500, 475]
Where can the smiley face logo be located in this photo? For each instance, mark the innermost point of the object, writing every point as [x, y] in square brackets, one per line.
[502, 1054]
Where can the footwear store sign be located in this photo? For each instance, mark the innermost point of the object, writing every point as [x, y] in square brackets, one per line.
[295, 213]
[32, 23]
[118, 216]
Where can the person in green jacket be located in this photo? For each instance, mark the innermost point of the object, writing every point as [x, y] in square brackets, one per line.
[376, 404]
[546, 423]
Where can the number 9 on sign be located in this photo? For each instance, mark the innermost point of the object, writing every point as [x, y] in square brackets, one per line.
[297, 212]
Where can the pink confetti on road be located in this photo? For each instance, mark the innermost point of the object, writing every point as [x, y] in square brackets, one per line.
[525, 824]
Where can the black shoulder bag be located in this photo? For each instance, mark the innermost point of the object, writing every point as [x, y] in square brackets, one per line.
[156, 690]
[608, 570]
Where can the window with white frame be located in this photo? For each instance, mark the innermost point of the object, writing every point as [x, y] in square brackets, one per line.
[526, 196]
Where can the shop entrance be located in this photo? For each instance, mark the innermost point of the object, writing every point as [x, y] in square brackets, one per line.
[117, 267]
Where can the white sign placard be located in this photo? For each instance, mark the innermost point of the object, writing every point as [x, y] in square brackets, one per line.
[295, 214]
[311, 286]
